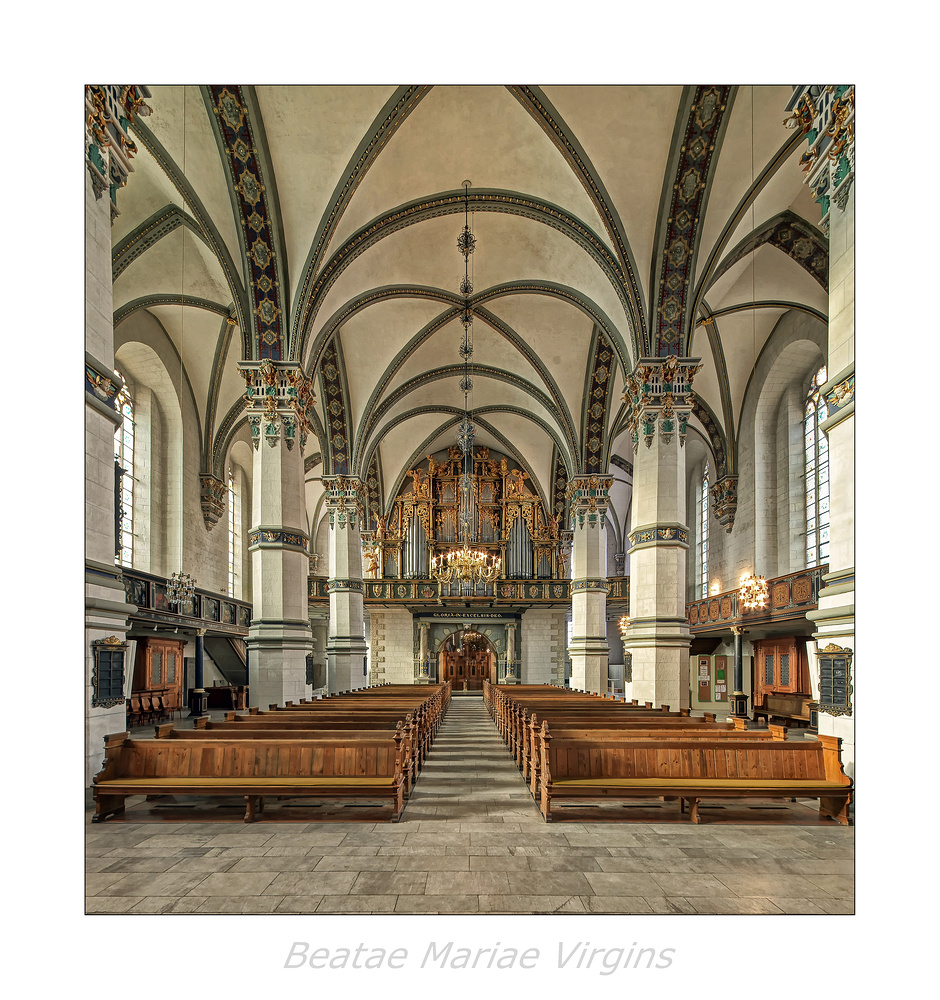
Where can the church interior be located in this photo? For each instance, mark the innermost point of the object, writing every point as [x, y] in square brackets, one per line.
[441, 400]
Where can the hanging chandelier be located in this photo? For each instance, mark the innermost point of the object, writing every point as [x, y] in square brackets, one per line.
[753, 593]
[624, 627]
[464, 564]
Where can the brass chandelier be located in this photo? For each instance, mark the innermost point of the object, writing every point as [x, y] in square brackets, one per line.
[753, 593]
[466, 565]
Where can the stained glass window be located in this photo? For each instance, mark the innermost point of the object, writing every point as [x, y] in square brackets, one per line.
[816, 474]
[234, 537]
[703, 534]
[124, 456]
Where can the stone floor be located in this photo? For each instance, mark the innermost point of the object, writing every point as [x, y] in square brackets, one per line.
[471, 841]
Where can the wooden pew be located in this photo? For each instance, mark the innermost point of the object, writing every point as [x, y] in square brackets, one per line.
[325, 770]
[206, 729]
[735, 730]
[578, 770]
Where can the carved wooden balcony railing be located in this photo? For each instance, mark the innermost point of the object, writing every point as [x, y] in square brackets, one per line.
[217, 613]
[498, 592]
[789, 598]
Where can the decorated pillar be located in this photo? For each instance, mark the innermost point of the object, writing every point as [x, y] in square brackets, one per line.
[826, 115]
[659, 397]
[588, 498]
[346, 646]
[109, 112]
[279, 397]
[199, 699]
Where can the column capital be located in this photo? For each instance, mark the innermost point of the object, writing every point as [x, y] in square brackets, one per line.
[660, 390]
[588, 498]
[345, 500]
[826, 116]
[279, 398]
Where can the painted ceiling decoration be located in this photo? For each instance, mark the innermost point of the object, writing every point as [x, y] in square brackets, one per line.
[686, 208]
[596, 404]
[801, 242]
[334, 400]
[622, 225]
[257, 226]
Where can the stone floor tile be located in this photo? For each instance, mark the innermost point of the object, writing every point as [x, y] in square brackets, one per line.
[433, 863]
[531, 904]
[438, 904]
[144, 864]
[299, 904]
[251, 883]
[205, 865]
[787, 904]
[110, 904]
[751, 884]
[240, 904]
[466, 883]
[669, 904]
[498, 863]
[312, 884]
[533, 883]
[733, 904]
[616, 904]
[690, 885]
[284, 863]
[834, 885]
[623, 884]
[390, 883]
[356, 863]
[143, 884]
[362, 903]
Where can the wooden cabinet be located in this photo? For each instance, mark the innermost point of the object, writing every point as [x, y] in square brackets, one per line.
[159, 668]
[781, 679]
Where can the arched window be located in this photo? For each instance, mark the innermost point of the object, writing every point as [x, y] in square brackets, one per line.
[817, 473]
[703, 533]
[234, 537]
[124, 458]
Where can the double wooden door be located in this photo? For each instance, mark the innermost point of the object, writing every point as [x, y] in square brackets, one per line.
[470, 666]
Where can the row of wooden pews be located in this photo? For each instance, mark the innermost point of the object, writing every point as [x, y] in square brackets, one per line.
[578, 748]
[358, 747]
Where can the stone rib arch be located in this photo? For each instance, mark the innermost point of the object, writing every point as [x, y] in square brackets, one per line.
[450, 203]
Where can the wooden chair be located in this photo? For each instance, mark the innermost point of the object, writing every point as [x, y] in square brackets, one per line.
[136, 710]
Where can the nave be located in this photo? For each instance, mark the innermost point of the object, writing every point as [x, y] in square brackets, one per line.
[470, 841]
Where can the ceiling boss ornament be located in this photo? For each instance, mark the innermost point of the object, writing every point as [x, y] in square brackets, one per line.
[466, 565]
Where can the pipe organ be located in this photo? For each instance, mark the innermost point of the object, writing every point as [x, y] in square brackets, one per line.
[504, 518]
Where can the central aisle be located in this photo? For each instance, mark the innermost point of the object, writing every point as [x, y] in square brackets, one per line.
[469, 775]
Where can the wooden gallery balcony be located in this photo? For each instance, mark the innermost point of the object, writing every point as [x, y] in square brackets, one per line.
[788, 600]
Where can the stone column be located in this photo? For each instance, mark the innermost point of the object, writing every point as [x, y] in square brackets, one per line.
[659, 394]
[346, 646]
[588, 500]
[512, 667]
[106, 608]
[319, 627]
[827, 116]
[421, 671]
[279, 637]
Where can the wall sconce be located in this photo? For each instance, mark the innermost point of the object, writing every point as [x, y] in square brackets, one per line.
[715, 587]
[753, 593]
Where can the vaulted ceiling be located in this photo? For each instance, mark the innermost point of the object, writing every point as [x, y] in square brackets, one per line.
[319, 224]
